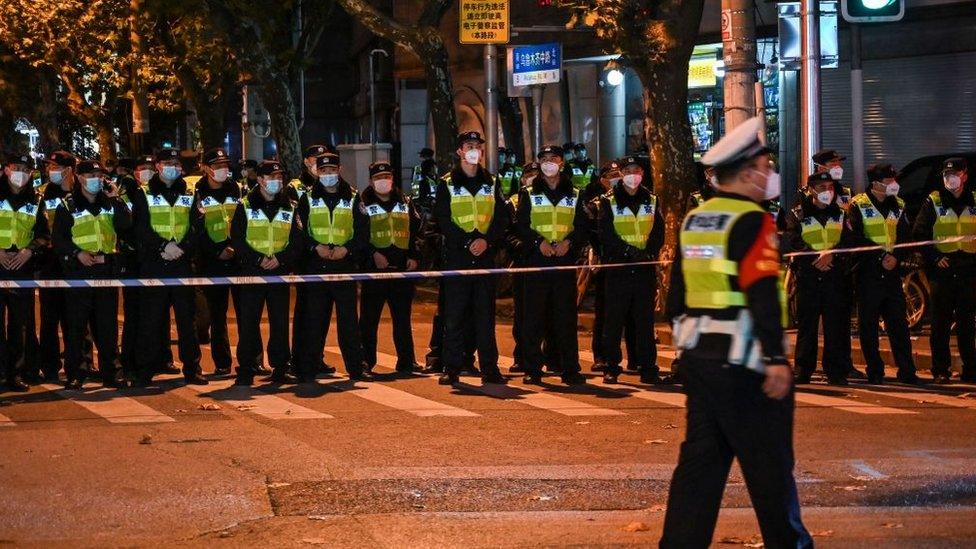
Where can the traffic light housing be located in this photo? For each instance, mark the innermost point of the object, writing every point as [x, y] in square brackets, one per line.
[872, 11]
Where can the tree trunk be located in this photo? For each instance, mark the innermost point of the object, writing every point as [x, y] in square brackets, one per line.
[277, 98]
[139, 136]
[510, 112]
[669, 142]
[105, 132]
[440, 96]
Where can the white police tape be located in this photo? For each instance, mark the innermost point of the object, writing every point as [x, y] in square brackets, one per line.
[394, 275]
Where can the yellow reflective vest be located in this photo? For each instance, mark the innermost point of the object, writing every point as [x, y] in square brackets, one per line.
[879, 229]
[267, 236]
[94, 233]
[472, 212]
[170, 222]
[552, 221]
[949, 224]
[821, 236]
[217, 216]
[17, 226]
[327, 226]
[389, 228]
[633, 228]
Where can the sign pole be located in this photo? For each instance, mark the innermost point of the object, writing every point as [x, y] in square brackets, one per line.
[538, 91]
[491, 109]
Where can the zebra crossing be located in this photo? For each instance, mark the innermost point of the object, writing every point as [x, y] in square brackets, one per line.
[437, 402]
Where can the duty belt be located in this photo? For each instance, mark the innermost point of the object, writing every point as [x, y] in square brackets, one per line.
[743, 349]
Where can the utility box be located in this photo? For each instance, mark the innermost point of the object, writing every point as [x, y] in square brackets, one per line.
[356, 158]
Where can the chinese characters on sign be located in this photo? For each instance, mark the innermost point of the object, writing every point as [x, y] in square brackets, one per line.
[483, 22]
[538, 64]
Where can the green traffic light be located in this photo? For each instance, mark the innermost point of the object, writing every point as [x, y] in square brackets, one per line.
[877, 4]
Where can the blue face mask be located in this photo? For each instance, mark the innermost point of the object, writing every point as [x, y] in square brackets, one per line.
[93, 185]
[56, 177]
[272, 186]
[329, 179]
[169, 173]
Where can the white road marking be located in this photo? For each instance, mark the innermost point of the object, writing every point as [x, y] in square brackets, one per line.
[663, 397]
[110, 405]
[847, 405]
[544, 401]
[861, 467]
[250, 400]
[6, 421]
[922, 397]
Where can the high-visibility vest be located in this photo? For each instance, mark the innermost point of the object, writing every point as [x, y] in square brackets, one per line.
[418, 179]
[217, 216]
[17, 226]
[330, 226]
[633, 228]
[170, 222]
[267, 236]
[883, 231]
[508, 180]
[949, 224]
[94, 233]
[192, 180]
[819, 236]
[298, 186]
[704, 241]
[552, 221]
[844, 197]
[389, 228]
[51, 206]
[472, 212]
[582, 178]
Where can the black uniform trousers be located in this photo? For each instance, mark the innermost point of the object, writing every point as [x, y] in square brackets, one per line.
[882, 297]
[953, 298]
[436, 345]
[132, 310]
[728, 417]
[549, 300]
[823, 296]
[321, 298]
[16, 306]
[469, 304]
[219, 298]
[629, 295]
[518, 289]
[253, 299]
[154, 305]
[398, 294]
[96, 309]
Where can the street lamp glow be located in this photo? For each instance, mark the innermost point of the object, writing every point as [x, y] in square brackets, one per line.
[876, 4]
[615, 77]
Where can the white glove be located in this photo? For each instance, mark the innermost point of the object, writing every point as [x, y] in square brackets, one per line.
[173, 251]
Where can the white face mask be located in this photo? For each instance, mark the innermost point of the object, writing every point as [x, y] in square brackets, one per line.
[952, 182]
[772, 188]
[614, 180]
[329, 179]
[221, 175]
[169, 173]
[825, 198]
[272, 186]
[891, 189]
[836, 173]
[472, 156]
[18, 179]
[550, 168]
[632, 180]
[383, 186]
[56, 177]
[144, 175]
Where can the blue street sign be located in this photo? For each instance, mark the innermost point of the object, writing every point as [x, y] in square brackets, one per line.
[537, 64]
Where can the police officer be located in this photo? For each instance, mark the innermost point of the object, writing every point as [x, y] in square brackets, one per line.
[60, 178]
[706, 188]
[387, 216]
[332, 245]
[162, 217]
[509, 175]
[517, 251]
[470, 212]
[816, 225]
[86, 228]
[128, 185]
[608, 177]
[551, 222]
[951, 212]
[726, 309]
[580, 168]
[424, 181]
[249, 175]
[877, 218]
[217, 196]
[24, 232]
[266, 239]
[631, 230]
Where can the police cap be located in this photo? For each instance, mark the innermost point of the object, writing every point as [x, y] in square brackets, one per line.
[609, 166]
[268, 167]
[326, 160]
[63, 159]
[824, 156]
[464, 137]
[954, 164]
[315, 150]
[89, 166]
[18, 158]
[880, 172]
[550, 149]
[215, 156]
[381, 167]
[168, 153]
[815, 178]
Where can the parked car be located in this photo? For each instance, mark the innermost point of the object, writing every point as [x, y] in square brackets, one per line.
[922, 176]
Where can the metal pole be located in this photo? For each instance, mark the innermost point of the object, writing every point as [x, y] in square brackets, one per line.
[739, 55]
[809, 84]
[760, 99]
[245, 124]
[857, 108]
[372, 104]
[491, 110]
[537, 95]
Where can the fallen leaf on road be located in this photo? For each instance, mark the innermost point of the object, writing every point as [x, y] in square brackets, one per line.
[670, 426]
[731, 540]
[635, 422]
[225, 534]
[417, 494]
[853, 488]
[754, 544]
[657, 508]
[278, 484]
[543, 498]
[288, 412]
[655, 441]
[314, 541]
[246, 407]
[418, 506]
[180, 411]
[823, 534]
[636, 527]
[893, 525]
[192, 440]
[318, 517]
[582, 422]
[210, 406]
[966, 395]
[146, 439]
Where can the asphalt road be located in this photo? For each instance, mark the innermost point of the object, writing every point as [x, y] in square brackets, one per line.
[408, 463]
